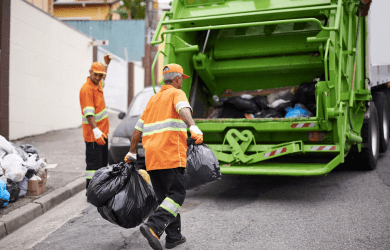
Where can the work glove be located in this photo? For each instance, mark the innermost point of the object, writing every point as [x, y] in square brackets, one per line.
[130, 156]
[107, 59]
[196, 134]
[99, 136]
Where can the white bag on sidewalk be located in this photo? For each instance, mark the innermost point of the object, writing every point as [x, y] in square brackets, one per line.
[32, 163]
[2, 153]
[14, 167]
[5, 145]
[19, 151]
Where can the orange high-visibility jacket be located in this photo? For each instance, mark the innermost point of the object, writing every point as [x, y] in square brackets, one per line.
[92, 103]
[164, 132]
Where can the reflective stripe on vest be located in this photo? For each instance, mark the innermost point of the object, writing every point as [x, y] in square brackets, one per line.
[140, 125]
[101, 115]
[167, 125]
[88, 111]
[89, 173]
[98, 117]
[171, 206]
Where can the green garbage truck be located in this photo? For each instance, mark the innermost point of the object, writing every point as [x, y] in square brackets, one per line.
[256, 48]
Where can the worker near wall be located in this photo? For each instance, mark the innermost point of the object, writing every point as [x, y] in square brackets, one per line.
[164, 125]
[95, 118]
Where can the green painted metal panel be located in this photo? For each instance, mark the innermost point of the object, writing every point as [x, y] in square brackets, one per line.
[254, 45]
[213, 7]
[226, 48]
[312, 148]
[284, 169]
[255, 16]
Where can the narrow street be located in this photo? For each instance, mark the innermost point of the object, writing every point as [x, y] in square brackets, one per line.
[345, 210]
[258, 81]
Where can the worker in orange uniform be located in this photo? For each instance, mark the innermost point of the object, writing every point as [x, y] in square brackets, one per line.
[95, 118]
[164, 125]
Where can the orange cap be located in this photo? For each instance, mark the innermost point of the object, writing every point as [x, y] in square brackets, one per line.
[173, 67]
[98, 68]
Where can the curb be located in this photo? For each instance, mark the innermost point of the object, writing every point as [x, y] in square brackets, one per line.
[21, 216]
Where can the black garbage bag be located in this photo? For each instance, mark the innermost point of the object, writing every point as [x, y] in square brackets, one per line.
[310, 114]
[245, 105]
[29, 149]
[133, 203]
[13, 189]
[270, 113]
[20, 151]
[30, 172]
[305, 93]
[312, 107]
[106, 182]
[229, 112]
[261, 101]
[282, 108]
[202, 166]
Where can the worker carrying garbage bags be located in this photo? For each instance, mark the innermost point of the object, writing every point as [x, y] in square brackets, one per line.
[126, 195]
[164, 125]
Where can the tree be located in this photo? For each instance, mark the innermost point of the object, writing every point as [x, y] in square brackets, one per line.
[129, 9]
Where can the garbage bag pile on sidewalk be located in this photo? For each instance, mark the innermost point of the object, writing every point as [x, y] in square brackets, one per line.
[276, 105]
[122, 194]
[202, 166]
[18, 164]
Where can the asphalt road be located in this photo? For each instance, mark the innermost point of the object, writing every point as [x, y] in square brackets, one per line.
[347, 209]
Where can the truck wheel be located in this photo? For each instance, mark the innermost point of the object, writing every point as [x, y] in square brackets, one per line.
[370, 135]
[381, 104]
[387, 94]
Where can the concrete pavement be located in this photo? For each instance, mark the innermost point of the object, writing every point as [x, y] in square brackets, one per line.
[65, 148]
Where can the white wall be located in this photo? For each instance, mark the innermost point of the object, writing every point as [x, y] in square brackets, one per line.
[49, 62]
[117, 84]
[139, 78]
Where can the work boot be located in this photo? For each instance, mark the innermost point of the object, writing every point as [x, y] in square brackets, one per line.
[151, 236]
[176, 243]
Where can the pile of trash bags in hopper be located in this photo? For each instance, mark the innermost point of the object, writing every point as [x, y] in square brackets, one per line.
[18, 164]
[287, 103]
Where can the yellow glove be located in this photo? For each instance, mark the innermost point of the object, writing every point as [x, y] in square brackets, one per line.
[144, 175]
[196, 134]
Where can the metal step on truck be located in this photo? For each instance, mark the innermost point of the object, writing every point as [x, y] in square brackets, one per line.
[233, 48]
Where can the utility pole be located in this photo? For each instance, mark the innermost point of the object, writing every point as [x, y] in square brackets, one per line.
[151, 13]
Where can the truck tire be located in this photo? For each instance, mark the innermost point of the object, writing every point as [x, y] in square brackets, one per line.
[387, 94]
[370, 135]
[381, 104]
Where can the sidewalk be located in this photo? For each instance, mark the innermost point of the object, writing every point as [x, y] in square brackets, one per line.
[65, 148]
